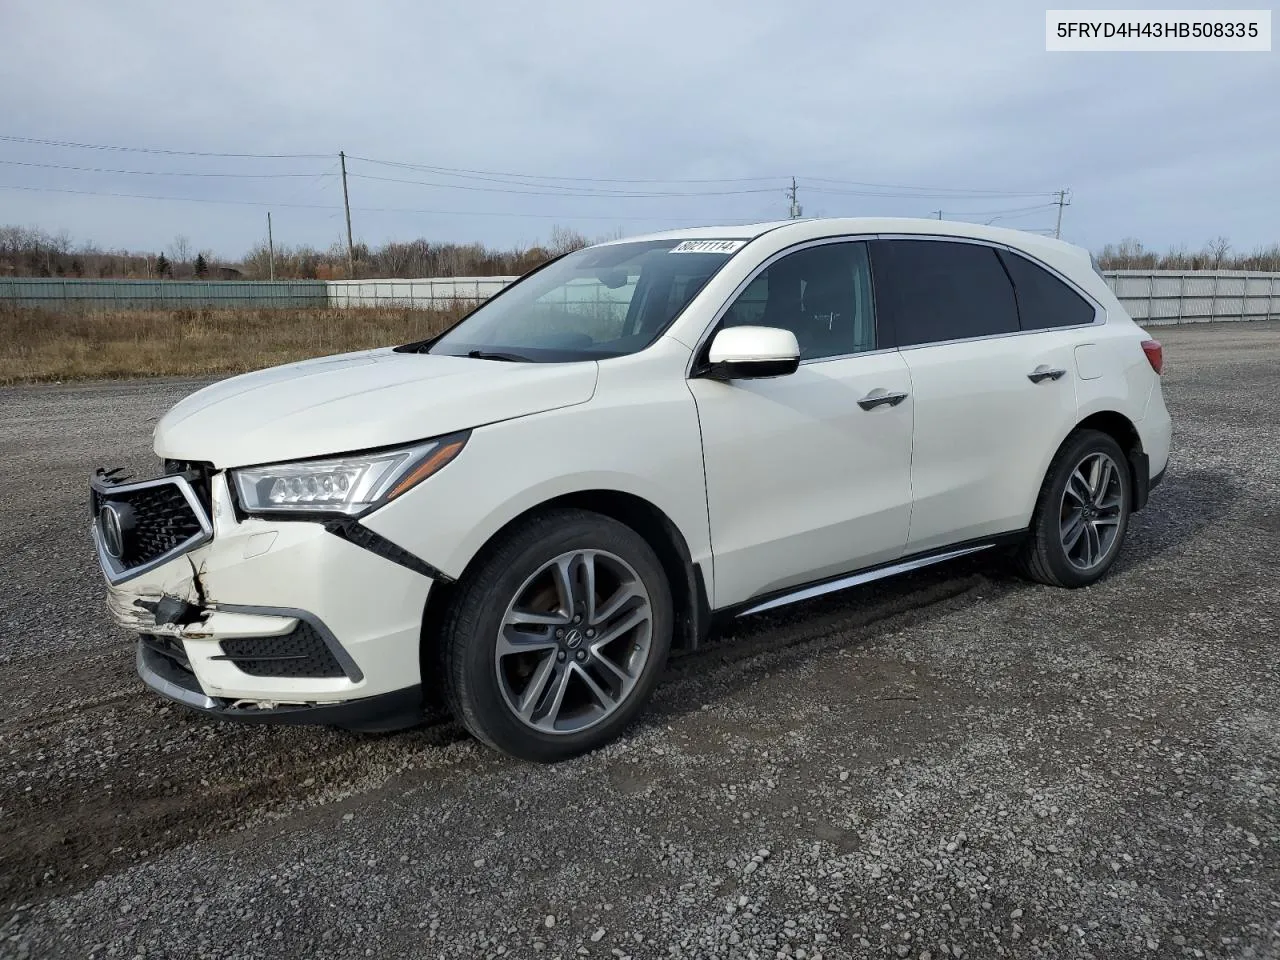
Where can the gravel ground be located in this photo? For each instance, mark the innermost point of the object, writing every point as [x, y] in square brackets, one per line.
[956, 764]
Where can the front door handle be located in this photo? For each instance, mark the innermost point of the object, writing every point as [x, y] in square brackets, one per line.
[1045, 372]
[880, 398]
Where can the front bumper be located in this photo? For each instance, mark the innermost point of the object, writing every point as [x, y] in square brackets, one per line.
[279, 620]
[394, 710]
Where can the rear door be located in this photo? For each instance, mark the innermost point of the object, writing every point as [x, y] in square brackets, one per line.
[992, 401]
[808, 475]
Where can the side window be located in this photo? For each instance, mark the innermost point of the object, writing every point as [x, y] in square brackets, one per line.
[1044, 301]
[937, 290]
[822, 294]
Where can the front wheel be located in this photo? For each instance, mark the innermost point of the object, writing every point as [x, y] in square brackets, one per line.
[557, 638]
[1082, 514]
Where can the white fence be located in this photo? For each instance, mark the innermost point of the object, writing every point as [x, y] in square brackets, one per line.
[1157, 297]
[428, 292]
[1152, 297]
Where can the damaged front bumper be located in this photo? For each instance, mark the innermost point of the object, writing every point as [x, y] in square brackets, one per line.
[279, 621]
[160, 671]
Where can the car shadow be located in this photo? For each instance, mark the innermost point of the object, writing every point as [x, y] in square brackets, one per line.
[1178, 511]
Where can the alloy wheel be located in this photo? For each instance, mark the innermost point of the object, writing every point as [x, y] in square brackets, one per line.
[1091, 511]
[574, 641]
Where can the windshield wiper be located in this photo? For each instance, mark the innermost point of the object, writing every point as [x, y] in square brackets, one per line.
[488, 355]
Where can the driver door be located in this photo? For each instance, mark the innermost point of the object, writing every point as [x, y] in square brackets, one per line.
[808, 475]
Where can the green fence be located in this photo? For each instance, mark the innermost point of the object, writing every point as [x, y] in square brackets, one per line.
[57, 293]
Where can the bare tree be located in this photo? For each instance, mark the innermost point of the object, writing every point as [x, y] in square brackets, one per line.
[180, 250]
[1217, 251]
[566, 240]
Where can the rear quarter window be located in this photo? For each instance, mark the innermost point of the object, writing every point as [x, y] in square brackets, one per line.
[1044, 301]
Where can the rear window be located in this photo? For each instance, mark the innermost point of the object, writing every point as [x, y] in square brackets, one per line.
[938, 290]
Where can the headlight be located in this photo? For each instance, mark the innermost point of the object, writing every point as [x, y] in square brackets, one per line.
[347, 485]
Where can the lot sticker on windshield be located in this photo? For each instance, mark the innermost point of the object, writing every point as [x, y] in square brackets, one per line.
[709, 246]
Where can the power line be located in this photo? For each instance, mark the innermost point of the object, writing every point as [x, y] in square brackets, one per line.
[989, 213]
[917, 195]
[514, 183]
[465, 173]
[172, 153]
[544, 216]
[157, 173]
[307, 187]
[144, 196]
[906, 186]
[516, 179]
[568, 191]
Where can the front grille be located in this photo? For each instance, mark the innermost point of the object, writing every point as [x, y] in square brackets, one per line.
[165, 521]
[165, 517]
[197, 474]
[300, 653]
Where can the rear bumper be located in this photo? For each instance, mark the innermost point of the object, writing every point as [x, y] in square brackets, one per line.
[165, 675]
[1144, 480]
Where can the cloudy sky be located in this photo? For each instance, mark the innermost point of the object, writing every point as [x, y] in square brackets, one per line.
[507, 119]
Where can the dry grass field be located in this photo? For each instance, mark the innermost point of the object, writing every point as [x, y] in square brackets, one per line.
[42, 345]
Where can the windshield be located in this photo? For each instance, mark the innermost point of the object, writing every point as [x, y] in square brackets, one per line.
[605, 301]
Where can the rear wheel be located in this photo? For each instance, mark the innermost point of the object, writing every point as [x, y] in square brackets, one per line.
[1082, 514]
[557, 638]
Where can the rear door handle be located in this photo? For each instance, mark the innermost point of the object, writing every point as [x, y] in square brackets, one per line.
[1045, 372]
[879, 397]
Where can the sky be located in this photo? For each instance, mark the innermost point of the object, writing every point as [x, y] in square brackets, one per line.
[508, 119]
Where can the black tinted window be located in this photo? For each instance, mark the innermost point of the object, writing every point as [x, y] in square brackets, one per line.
[1044, 300]
[822, 294]
[942, 290]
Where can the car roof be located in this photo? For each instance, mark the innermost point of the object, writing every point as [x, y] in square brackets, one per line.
[787, 231]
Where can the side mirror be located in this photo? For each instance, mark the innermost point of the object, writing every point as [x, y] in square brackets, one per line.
[747, 353]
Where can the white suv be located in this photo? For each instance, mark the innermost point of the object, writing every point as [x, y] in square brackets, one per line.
[523, 515]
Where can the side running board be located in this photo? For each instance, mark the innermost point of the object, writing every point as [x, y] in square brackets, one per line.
[856, 579]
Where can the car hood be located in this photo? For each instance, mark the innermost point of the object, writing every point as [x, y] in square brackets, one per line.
[358, 401]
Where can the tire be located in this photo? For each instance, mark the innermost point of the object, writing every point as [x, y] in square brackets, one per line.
[1052, 554]
[510, 628]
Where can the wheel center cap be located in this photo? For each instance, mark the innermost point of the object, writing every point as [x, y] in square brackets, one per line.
[573, 639]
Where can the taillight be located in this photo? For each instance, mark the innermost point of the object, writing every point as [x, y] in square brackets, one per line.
[1155, 354]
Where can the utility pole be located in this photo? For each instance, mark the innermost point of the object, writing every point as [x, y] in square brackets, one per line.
[795, 205]
[346, 202]
[939, 213]
[271, 248]
[1062, 201]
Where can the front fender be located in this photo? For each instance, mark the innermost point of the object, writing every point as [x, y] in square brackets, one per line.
[641, 438]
